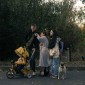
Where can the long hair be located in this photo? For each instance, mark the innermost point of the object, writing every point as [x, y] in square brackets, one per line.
[53, 39]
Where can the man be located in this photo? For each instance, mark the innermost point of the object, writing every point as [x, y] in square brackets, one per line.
[33, 44]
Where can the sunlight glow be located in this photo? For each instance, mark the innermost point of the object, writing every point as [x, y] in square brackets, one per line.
[78, 5]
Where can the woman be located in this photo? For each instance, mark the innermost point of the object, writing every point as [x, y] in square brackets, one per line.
[44, 53]
[54, 54]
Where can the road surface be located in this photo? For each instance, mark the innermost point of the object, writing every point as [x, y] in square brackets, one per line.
[73, 78]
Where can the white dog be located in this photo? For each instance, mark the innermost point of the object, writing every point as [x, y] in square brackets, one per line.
[62, 71]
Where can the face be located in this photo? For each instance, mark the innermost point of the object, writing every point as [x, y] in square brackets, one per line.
[51, 33]
[33, 28]
[42, 34]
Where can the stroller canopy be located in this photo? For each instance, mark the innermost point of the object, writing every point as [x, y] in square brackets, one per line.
[21, 51]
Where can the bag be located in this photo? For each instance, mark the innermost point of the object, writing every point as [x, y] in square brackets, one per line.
[55, 51]
[52, 51]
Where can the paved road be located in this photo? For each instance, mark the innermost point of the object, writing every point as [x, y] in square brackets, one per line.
[73, 78]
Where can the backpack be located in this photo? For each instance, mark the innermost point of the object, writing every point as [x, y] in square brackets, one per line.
[61, 46]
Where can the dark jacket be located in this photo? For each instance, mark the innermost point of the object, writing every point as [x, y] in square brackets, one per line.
[52, 40]
[52, 43]
[31, 40]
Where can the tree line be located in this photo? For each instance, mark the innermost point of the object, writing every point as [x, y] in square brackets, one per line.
[16, 17]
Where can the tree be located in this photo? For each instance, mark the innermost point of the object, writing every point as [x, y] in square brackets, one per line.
[16, 17]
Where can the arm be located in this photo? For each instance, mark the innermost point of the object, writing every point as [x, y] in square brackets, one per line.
[28, 35]
[56, 50]
[20, 61]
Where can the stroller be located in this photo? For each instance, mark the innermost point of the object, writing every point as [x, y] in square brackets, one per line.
[20, 68]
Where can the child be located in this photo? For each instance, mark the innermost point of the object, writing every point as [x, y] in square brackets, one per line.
[44, 54]
[21, 62]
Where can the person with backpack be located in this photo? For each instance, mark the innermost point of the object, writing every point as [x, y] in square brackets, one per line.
[54, 54]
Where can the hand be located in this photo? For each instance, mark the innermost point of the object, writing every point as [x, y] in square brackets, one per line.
[33, 49]
[54, 53]
[36, 34]
[15, 62]
[41, 44]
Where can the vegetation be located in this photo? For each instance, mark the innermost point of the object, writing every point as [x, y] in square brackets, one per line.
[16, 17]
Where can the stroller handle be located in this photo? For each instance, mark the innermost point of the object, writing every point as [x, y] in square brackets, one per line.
[33, 53]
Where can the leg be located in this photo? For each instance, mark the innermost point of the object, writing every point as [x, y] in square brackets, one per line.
[20, 67]
[46, 71]
[42, 71]
[58, 75]
[63, 76]
[32, 64]
[51, 66]
[55, 66]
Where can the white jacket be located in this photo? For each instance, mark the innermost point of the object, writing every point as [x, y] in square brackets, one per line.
[55, 51]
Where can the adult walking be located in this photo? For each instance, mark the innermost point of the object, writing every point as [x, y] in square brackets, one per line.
[33, 44]
[54, 54]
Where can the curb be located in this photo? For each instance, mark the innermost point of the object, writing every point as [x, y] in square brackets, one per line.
[76, 68]
[2, 68]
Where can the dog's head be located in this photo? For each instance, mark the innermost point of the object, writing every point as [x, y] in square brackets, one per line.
[62, 64]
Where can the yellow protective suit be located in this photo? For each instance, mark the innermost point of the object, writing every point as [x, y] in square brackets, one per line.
[22, 52]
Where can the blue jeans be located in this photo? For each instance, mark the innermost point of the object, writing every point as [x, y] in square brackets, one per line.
[19, 68]
[54, 63]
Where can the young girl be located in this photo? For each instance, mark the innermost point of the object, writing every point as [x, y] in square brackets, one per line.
[44, 53]
[54, 54]
[21, 62]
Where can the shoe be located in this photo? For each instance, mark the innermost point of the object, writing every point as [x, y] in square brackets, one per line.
[53, 77]
[42, 73]
[34, 74]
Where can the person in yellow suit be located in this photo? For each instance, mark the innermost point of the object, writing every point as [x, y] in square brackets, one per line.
[21, 62]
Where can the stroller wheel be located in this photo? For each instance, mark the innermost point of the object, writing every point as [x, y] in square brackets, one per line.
[10, 74]
[29, 75]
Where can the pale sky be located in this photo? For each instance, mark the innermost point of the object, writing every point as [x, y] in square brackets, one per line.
[78, 4]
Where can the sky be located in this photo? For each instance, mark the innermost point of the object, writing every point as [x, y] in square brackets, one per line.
[78, 4]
